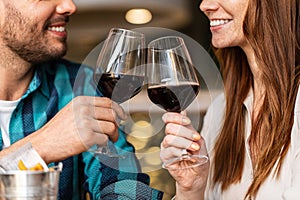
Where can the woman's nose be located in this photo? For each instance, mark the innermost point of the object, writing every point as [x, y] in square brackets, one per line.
[208, 5]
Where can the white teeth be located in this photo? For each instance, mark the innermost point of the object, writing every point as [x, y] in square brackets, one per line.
[57, 29]
[218, 22]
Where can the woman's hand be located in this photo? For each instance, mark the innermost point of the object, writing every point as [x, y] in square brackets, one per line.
[181, 135]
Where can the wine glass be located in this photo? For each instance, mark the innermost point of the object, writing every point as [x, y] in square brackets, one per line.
[173, 85]
[120, 70]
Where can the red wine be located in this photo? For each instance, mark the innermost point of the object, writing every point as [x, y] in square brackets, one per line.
[173, 98]
[119, 87]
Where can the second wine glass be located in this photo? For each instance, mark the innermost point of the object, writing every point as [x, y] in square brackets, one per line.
[120, 69]
[173, 85]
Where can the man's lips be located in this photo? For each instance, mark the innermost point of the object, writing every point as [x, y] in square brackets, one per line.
[58, 27]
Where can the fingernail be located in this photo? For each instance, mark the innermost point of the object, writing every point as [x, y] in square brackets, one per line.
[195, 146]
[163, 117]
[196, 137]
[186, 120]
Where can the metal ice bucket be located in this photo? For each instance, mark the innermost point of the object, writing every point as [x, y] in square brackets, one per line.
[33, 185]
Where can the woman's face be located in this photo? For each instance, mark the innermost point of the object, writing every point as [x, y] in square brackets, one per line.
[226, 21]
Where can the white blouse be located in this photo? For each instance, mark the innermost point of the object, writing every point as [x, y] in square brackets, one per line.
[287, 187]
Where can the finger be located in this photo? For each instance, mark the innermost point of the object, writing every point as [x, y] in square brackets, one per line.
[119, 110]
[182, 131]
[177, 142]
[100, 127]
[89, 138]
[95, 113]
[106, 114]
[107, 128]
[99, 102]
[108, 103]
[170, 153]
[184, 113]
[177, 118]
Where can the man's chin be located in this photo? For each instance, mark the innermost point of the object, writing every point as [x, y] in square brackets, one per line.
[47, 58]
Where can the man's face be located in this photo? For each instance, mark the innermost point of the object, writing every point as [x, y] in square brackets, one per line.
[35, 29]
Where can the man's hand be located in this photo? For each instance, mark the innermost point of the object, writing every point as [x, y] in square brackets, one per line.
[83, 122]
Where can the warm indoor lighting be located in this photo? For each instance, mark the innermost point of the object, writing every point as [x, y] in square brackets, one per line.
[138, 16]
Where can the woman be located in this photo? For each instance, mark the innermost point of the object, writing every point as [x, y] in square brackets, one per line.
[252, 130]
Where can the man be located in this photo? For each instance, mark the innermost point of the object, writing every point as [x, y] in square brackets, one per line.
[38, 105]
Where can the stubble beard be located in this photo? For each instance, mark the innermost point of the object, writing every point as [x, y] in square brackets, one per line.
[27, 41]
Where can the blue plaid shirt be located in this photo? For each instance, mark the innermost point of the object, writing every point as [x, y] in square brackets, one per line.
[54, 85]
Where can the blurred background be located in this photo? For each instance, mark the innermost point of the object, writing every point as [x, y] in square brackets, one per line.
[94, 18]
[144, 128]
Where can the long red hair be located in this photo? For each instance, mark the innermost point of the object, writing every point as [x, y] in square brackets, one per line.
[272, 28]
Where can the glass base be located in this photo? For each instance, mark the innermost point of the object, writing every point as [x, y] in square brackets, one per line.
[104, 150]
[185, 161]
